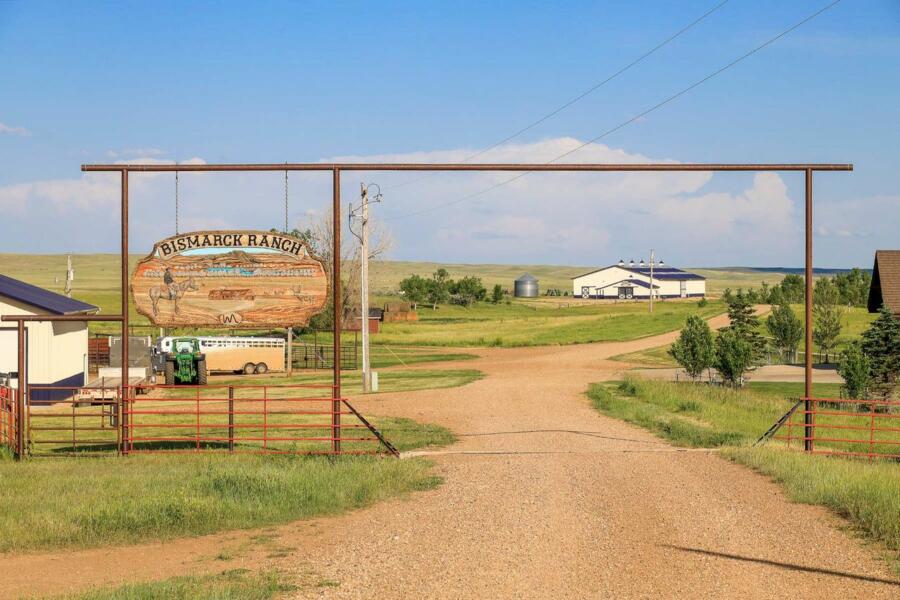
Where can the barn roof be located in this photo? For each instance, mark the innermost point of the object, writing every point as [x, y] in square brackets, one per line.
[659, 272]
[41, 298]
[885, 289]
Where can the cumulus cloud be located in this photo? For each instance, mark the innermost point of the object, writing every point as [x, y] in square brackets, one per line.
[10, 130]
[689, 218]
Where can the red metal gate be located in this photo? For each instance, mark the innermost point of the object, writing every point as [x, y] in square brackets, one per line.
[261, 419]
[8, 419]
[864, 428]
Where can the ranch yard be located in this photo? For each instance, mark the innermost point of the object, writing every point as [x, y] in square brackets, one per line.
[525, 444]
[530, 462]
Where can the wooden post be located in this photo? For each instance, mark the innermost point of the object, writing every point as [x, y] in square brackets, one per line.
[290, 352]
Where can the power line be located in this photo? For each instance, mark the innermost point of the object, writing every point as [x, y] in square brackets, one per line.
[637, 117]
[582, 95]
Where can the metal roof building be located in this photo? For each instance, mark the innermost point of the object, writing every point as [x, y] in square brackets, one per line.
[632, 281]
[56, 351]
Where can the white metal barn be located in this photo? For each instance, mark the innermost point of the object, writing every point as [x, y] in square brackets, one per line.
[632, 281]
[57, 352]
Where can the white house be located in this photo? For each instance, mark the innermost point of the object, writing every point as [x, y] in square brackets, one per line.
[632, 281]
[56, 351]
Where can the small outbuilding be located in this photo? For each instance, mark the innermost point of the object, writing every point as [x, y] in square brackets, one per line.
[57, 352]
[885, 288]
[526, 286]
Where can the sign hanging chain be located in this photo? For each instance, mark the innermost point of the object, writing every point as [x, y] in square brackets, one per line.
[285, 201]
[176, 202]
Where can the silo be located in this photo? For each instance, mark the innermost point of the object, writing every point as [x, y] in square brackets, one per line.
[526, 287]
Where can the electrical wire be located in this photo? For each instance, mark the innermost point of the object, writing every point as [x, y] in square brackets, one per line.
[582, 95]
[637, 117]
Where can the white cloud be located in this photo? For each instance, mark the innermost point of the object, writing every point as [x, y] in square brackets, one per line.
[690, 218]
[10, 130]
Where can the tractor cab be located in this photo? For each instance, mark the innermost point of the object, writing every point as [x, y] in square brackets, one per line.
[185, 364]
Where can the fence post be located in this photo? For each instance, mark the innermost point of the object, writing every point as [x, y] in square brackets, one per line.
[22, 391]
[231, 418]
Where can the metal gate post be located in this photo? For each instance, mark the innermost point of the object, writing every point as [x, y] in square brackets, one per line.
[231, 418]
[21, 404]
[808, 383]
[126, 338]
[336, 294]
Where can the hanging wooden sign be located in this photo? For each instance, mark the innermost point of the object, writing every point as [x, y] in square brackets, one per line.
[230, 278]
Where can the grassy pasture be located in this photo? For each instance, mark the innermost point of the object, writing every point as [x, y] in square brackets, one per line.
[533, 324]
[236, 584]
[865, 492]
[64, 503]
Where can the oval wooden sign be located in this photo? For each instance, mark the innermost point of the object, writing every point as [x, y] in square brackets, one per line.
[230, 279]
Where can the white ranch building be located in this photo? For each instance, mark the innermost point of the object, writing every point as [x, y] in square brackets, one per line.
[632, 281]
[57, 352]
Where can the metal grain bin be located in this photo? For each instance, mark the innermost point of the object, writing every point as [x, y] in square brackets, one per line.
[526, 286]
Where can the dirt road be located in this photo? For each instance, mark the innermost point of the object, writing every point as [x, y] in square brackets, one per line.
[543, 498]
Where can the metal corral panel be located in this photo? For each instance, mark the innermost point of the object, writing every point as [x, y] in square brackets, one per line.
[526, 286]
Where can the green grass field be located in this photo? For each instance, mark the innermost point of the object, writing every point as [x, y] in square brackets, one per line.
[238, 584]
[867, 493]
[61, 503]
[540, 323]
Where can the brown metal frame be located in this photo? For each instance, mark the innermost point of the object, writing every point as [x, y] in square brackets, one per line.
[125, 169]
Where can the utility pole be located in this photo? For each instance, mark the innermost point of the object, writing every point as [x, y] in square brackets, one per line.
[651, 279]
[363, 236]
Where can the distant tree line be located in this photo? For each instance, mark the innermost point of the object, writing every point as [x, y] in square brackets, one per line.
[441, 289]
[851, 288]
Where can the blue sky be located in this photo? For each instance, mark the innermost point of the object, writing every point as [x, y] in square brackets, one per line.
[223, 82]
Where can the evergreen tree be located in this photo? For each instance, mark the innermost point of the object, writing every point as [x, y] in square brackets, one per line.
[827, 315]
[745, 323]
[786, 328]
[855, 368]
[694, 349]
[881, 344]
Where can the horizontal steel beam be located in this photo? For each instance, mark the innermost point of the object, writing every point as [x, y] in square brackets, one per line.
[41, 318]
[569, 167]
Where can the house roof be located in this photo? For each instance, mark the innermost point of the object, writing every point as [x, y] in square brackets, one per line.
[659, 272]
[41, 298]
[885, 288]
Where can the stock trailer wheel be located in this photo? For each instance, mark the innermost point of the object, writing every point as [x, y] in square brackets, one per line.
[262, 368]
[249, 369]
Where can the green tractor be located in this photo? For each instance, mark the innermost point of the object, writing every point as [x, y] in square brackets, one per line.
[185, 364]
